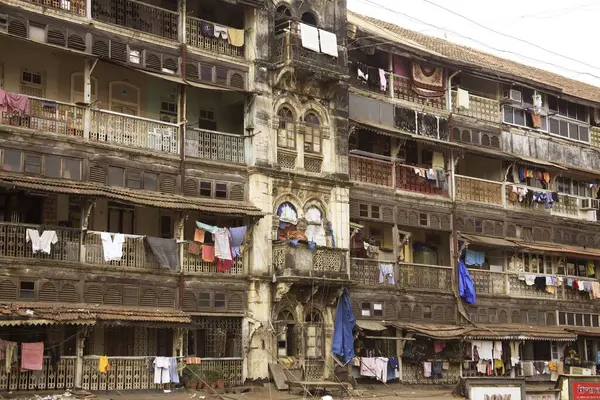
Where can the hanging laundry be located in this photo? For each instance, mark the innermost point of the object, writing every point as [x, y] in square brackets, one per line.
[328, 42]
[591, 269]
[439, 346]
[427, 369]
[536, 119]
[522, 174]
[195, 248]
[540, 283]
[437, 160]
[103, 365]
[386, 273]
[368, 367]
[165, 251]
[112, 246]
[546, 177]
[174, 374]
[287, 214]
[309, 36]
[427, 81]
[206, 227]
[237, 238]
[224, 265]
[14, 103]
[466, 287]
[515, 357]
[595, 290]
[32, 356]
[362, 75]
[446, 365]
[161, 370]
[199, 235]
[436, 370]
[382, 80]
[462, 99]
[208, 253]
[221, 32]
[41, 244]
[497, 349]
[223, 244]
[207, 28]
[485, 349]
[474, 257]
[499, 367]
[235, 37]
[11, 354]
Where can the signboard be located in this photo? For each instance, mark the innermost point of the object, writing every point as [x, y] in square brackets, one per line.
[496, 393]
[585, 390]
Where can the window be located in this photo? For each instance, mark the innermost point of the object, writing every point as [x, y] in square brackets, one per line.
[204, 300]
[12, 161]
[168, 111]
[363, 210]
[207, 120]
[32, 83]
[365, 309]
[312, 134]
[220, 190]
[309, 18]
[567, 109]
[71, 169]
[116, 176]
[423, 219]
[378, 309]
[521, 117]
[375, 212]
[427, 312]
[52, 166]
[571, 186]
[33, 164]
[570, 130]
[206, 189]
[133, 180]
[166, 227]
[220, 300]
[27, 290]
[120, 219]
[286, 134]
[150, 181]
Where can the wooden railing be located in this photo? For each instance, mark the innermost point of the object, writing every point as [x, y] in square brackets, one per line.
[213, 145]
[403, 91]
[14, 243]
[525, 205]
[595, 136]
[425, 277]
[194, 37]
[49, 378]
[125, 373]
[369, 170]
[134, 252]
[131, 131]
[407, 179]
[481, 108]
[48, 116]
[487, 282]
[478, 190]
[137, 15]
[194, 264]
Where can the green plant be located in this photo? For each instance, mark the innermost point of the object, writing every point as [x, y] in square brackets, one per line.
[192, 372]
[213, 375]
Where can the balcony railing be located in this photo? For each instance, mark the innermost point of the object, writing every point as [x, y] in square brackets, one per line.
[194, 37]
[368, 170]
[194, 264]
[407, 179]
[595, 136]
[403, 91]
[134, 252]
[425, 277]
[487, 282]
[287, 47]
[14, 242]
[131, 131]
[48, 116]
[526, 204]
[480, 108]
[325, 262]
[217, 146]
[365, 271]
[71, 6]
[137, 15]
[478, 190]
[59, 377]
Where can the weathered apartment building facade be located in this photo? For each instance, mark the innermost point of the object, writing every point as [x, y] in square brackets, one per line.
[143, 118]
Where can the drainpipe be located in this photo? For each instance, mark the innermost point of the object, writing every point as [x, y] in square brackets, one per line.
[449, 91]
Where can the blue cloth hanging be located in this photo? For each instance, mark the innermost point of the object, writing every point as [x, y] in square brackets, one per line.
[343, 337]
[466, 289]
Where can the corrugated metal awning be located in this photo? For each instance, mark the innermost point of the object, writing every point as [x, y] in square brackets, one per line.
[434, 331]
[520, 332]
[370, 325]
[488, 241]
[35, 322]
[560, 249]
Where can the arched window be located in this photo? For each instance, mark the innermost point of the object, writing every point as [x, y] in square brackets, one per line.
[315, 231]
[309, 18]
[312, 136]
[282, 17]
[287, 213]
[285, 315]
[286, 134]
[124, 98]
[313, 316]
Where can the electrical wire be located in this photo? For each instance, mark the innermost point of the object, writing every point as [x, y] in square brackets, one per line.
[507, 35]
[468, 38]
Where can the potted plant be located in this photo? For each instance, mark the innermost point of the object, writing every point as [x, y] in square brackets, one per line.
[215, 377]
[191, 376]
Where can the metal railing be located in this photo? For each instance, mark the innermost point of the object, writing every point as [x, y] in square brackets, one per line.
[134, 252]
[14, 242]
[61, 377]
[132, 131]
[213, 145]
[194, 37]
[137, 15]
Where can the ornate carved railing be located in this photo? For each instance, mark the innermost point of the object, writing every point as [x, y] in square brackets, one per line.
[71, 6]
[232, 369]
[301, 261]
[48, 116]
[212, 145]
[194, 264]
[366, 271]
[479, 190]
[525, 204]
[131, 131]
[137, 15]
[480, 108]
[425, 277]
[407, 179]
[13, 242]
[487, 282]
[194, 37]
[125, 373]
[368, 170]
[403, 91]
[134, 252]
[595, 136]
[49, 378]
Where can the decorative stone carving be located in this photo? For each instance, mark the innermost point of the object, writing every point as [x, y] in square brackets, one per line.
[281, 290]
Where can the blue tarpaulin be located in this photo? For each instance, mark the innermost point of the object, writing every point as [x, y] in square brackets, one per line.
[466, 289]
[343, 338]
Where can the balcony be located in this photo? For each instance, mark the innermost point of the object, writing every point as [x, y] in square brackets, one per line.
[365, 271]
[595, 136]
[487, 282]
[300, 261]
[138, 16]
[134, 132]
[216, 146]
[195, 38]
[526, 204]
[134, 253]
[403, 91]
[77, 7]
[194, 264]
[287, 48]
[385, 173]
[480, 108]
[478, 190]
[421, 277]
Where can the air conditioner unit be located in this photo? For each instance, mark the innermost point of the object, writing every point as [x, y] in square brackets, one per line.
[513, 95]
[590, 204]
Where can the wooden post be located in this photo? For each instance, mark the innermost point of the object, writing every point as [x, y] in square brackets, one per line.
[87, 95]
